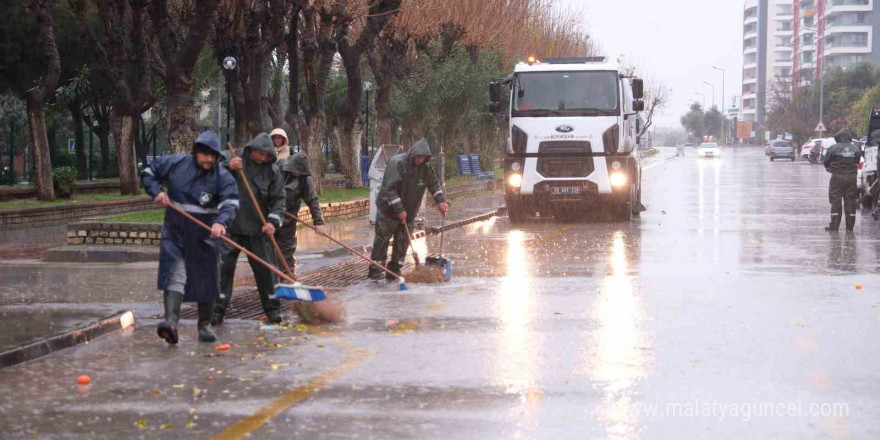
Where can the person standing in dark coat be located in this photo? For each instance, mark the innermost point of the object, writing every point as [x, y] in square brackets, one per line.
[299, 187]
[257, 159]
[842, 161]
[189, 255]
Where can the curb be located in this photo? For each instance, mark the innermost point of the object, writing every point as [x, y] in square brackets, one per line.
[99, 254]
[83, 335]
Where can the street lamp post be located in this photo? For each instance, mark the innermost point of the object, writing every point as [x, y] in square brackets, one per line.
[723, 98]
[367, 87]
[704, 99]
[229, 63]
[713, 91]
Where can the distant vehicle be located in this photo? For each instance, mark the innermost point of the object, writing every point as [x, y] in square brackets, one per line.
[781, 149]
[814, 150]
[689, 145]
[709, 150]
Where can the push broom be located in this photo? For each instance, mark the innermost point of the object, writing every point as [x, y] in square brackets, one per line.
[399, 278]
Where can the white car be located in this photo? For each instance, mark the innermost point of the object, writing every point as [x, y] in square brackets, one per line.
[709, 150]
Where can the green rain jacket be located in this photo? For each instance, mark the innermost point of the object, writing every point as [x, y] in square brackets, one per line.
[299, 186]
[267, 183]
[843, 157]
[404, 184]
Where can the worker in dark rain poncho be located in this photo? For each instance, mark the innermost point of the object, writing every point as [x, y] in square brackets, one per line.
[299, 187]
[258, 161]
[842, 161]
[189, 256]
[407, 175]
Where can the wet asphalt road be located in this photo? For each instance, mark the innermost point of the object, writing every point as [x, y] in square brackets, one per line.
[725, 312]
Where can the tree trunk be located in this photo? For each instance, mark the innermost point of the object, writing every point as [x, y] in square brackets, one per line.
[103, 132]
[349, 133]
[384, 130]
[240, 136]
[82, 160]
[182, 128]
[123, 132]
[310, 137]
[40, 145]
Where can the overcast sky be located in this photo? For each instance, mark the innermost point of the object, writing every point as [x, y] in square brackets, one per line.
[674, 41]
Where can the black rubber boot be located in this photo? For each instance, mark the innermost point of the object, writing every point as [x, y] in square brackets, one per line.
[850, 222]
[206, 310]
[375, 273]
[393, 268]
[167, 329]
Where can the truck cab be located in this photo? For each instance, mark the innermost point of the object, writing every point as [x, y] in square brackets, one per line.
[573, 135]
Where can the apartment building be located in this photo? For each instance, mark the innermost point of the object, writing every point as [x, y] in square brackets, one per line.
[797, 39]
[768, 32]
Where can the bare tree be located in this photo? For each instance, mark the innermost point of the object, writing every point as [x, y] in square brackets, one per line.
[181, 35]
[36, 99]
[351, 49]
[657, 97]
[124, 58]
[311, 36]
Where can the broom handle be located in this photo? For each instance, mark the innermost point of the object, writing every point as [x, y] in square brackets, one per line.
[349, 248]
[229, 241]
[412, 248]
[259, 210]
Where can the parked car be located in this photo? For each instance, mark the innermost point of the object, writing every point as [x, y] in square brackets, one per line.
[821, 144]
[868, 173]
[709, 150]
[781, 149]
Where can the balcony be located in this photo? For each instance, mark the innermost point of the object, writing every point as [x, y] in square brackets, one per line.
[838, 6]
[750, 34]
[750, 80]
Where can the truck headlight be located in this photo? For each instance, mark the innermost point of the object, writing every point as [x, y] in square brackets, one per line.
[618, 179]
[515, 180]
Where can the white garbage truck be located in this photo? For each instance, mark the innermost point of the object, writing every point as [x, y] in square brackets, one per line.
[572, 147]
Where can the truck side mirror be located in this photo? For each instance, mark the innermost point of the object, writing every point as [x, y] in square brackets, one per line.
[638, 105]
[494, 97]
[638, 86]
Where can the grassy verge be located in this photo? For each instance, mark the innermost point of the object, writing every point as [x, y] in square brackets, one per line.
[344, 195]
[34, 203]
[151, 216]
[158, 215]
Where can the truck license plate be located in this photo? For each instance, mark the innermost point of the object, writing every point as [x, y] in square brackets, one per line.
[566, 190]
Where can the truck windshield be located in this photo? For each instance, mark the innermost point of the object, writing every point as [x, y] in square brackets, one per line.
[593, 93]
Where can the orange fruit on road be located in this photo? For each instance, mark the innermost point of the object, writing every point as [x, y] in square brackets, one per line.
[858, 287]
[223, 347]
[83, 380]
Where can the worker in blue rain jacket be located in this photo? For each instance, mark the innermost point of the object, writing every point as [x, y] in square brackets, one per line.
[189, 258]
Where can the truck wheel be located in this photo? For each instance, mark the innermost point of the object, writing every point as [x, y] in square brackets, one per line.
[516, 213]
[637, 204]
[626, 211]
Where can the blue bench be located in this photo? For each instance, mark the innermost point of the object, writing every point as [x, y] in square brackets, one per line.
[478, 170]
[464, 165]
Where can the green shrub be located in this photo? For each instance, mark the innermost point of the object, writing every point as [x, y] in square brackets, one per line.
[64, 181]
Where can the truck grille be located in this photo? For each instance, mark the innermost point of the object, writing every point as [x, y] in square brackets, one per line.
[565, 159]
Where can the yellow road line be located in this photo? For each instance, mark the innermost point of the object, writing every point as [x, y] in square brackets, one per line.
[293, 397]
